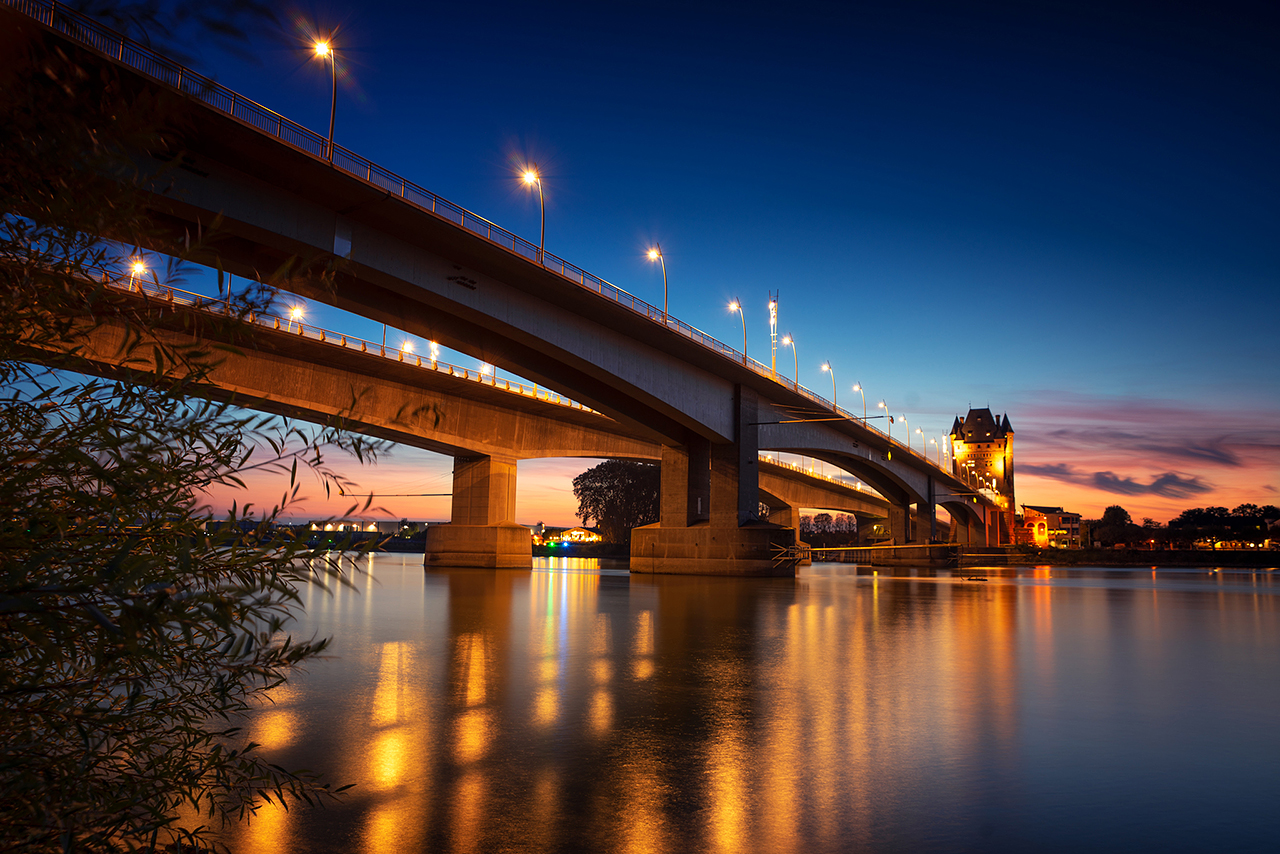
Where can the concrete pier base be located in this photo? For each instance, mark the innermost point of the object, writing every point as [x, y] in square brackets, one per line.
[760, 550]
[504, 545]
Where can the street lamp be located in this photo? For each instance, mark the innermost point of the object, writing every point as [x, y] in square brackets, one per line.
[934, 442]
[904, 421]
[788, 341]
[826, 366]
[435, 352]
[858, 388]
[295, 316]
[136, 269]
[324, 50]
[655, 254]
[920, 433]
[532, 177]
[888, 429]
[737, 306]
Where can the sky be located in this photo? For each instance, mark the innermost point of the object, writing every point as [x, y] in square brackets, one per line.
[1067, 212]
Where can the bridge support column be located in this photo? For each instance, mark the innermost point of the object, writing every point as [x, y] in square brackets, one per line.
[481, 532]
[732, 541]
[899, 523]
[866, 526]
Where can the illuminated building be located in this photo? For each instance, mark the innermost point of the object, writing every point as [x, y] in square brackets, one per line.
[982, 456]
[1048, 527]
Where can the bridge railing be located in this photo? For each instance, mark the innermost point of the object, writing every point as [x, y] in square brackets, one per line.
[214, 305]
[170, 73]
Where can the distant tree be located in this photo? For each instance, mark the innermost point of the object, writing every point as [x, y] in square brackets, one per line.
[806, 524]
[1115, 527]
[619, 495]
[822, 523]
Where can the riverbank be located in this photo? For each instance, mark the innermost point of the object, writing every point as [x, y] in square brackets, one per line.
[1023, 556]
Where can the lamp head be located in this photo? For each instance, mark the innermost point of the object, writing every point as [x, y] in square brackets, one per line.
[654, 254]
[138, 267]
[531, 177]
[322, 49]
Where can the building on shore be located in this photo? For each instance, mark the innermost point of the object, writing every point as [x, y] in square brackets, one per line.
[982, 456]
[1048, 527]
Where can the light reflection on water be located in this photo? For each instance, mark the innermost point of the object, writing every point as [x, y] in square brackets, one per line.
[571, 709]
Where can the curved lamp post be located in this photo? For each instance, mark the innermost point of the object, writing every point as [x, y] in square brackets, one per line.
[324, 50]
[908, 425]
[826, 366]
[655, 254]
[737, 306]
[532, 177]
[788, 341]
[295, 316]
[858, 388]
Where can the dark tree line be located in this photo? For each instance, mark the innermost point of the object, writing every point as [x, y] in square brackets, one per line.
[1246, 523]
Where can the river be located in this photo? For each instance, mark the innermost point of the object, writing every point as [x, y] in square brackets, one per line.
[574, 708]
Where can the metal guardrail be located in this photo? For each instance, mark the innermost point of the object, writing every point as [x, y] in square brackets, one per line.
[141, 58]
[213, 305]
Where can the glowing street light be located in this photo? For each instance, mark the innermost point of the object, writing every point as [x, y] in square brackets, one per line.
[826, 366]
[325, 51]
[934, 442]
[295, 316]
[904, 421]
[858, 388]
[435, 352]
[920, 433]
[788, 341]
[137, 268]
[532, 177]
[737, 306]
[655, 254]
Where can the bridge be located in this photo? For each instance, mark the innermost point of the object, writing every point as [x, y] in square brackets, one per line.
[400, 255]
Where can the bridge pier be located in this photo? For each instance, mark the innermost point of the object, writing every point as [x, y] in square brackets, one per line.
[727, 538]
[481, 532]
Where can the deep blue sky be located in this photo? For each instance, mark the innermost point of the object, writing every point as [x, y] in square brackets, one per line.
[1066, 211]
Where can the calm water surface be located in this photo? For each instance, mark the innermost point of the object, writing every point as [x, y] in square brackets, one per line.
[579, 709]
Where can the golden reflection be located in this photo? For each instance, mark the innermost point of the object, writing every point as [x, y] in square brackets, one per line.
[546, 706]
[387, 695]
[268, 831]
[728, 772]
[600, 636]
[640, 802]
[388, 758]
[468, 812]
[601, 670]
[643, 668]
[644, 634]
[473, 664]
[601, 714]
[471, 735]
[547, 669]
[273, 728]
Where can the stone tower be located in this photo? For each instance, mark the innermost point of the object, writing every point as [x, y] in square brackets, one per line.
[982, 456]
